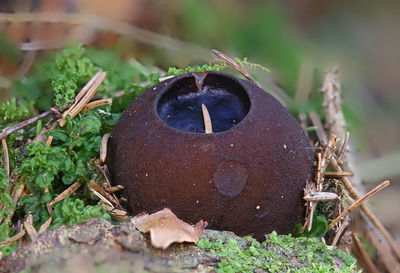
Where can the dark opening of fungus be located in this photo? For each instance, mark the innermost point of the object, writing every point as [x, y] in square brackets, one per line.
[180, 106]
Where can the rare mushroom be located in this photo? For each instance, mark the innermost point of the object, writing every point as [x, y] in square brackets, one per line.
[246, 176]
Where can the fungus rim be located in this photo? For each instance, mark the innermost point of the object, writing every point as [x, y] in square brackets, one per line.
[170, 83]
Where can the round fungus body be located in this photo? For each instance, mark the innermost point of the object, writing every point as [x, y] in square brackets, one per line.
[247, 176]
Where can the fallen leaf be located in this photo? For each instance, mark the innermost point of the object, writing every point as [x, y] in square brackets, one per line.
[165, 228]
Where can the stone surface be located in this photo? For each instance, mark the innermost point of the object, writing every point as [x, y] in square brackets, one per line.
[99, 246]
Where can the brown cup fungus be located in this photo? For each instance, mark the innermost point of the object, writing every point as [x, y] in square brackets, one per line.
[247, 176]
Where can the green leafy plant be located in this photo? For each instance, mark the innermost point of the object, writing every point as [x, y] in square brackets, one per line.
[71, 70]
[11, 110]
[319, 228]
[73, 210]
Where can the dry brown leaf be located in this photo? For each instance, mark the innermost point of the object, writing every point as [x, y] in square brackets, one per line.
[165, 228]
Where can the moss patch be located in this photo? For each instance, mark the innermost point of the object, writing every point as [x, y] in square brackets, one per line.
[279, 253]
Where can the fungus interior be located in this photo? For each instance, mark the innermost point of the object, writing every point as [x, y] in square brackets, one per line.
[226, 100]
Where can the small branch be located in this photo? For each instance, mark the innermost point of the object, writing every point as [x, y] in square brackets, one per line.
[49, 141]
[237, 67]
[114, 189]
[95, 104]
[11, 240]
[316, 121]
[73, 188]
[344, 145]
[6, 157]
[83, 97]
[102, 198]
[338, 174]
[12, 129]
[51, 125]
[360, 201]
[389, 261]
[45, 226]
[103, 147]
[28, 224]
[207, 119]
[364, 255]
[105, 194]
[371, 216]
[339, 233]
[17, 193]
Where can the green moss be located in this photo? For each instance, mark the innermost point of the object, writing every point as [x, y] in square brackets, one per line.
[279, 253]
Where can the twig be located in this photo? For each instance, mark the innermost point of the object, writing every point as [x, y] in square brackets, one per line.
[11, 240]
[364, 255]
[102, 198]
[70, 190]
[375, 221]
[6, 157]
[95, 104]
[237, 67]
[49, 141]
[107, 184]
[17, 193]
[105, 194]
[332, 103]
[103, 147]
[318, 175]
[207, 119]
[81, 94]
[20, 226]
[389, 261]
[338, 174]
[12, 129]
[339, 233]
[45, 226]
[316, 121]
[55, 111]
[114, 189]
[327, 155]
[117, 214]
[313, 193]
[28, 224]
[344, 145]
[83, 97]
[51, 125]
[357, 203]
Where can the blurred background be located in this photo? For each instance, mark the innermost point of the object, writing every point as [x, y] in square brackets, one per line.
[296, 40]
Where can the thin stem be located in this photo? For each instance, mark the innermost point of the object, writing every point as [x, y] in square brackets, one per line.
[73, 188]
[360, 201]
[6, 157]
[11, 240]
[364, 255]
[12, 129]
[95, 104]
[103, 147]
[339, 233]
[338, 174]
[237, 67]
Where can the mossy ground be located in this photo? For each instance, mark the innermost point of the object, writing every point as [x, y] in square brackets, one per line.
[278, 253]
